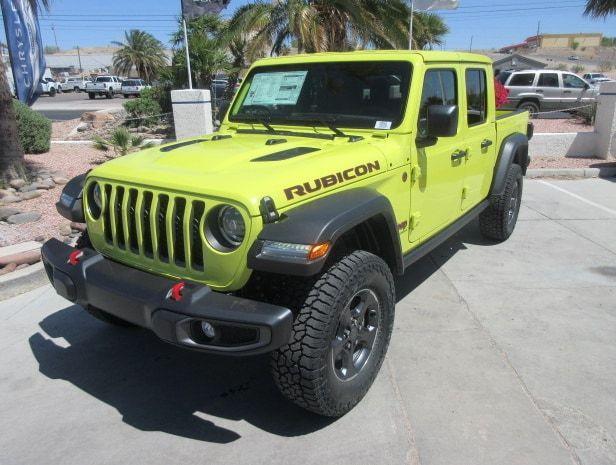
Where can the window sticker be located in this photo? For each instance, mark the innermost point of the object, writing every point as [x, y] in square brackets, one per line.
[382, 125]
[276, 88]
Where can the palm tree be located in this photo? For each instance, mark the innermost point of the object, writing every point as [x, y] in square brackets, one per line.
[11, 151]
[322, 25]
[208, 54]
[600, 8]
[142, 51]
[428, 30]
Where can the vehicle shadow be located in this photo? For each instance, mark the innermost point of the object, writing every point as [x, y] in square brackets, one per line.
[159, 387]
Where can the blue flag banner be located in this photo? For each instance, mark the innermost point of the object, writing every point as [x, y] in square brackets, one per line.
[23, 38]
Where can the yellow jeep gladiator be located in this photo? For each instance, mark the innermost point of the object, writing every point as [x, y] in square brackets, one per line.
[281, 233]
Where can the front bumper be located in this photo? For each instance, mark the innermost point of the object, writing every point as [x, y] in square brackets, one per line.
[242, 326]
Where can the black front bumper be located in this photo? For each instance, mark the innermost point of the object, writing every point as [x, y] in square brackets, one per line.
[242, 326]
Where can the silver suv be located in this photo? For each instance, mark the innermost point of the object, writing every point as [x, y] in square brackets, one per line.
[545, 90]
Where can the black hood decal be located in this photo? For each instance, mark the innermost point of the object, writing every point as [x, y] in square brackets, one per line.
[286, 154]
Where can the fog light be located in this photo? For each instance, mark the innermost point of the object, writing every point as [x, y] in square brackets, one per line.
[208, 330]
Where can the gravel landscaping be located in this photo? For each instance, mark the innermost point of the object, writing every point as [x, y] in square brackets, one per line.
[68, 159]
[551, 163]
[561, 126]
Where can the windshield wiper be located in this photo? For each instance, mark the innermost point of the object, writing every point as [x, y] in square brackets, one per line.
[262, 116]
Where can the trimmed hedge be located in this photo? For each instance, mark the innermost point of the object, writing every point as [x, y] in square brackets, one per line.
[33, 128]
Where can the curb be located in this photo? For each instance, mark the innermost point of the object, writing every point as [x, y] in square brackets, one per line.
[21, 281]
[576, 173]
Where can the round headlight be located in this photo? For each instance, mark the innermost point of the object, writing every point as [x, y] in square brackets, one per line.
[95, 200]
[231, 225]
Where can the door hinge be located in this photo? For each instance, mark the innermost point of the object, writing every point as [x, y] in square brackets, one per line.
[415, 219]
[415, 173]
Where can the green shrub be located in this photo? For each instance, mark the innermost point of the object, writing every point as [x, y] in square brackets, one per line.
[33, 128]
[162, 94]
[143, 107]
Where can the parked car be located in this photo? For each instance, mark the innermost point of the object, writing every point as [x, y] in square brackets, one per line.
[104, 85]
[76, 84]
[596, 78]
[545, 90]
[219, 87]
[133, 87]
[574, 58]
[48, 87]
[290, 246]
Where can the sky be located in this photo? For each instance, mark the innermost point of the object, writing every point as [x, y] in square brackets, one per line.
[489, 24]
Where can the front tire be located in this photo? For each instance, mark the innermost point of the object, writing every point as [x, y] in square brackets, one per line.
[91, 95]
[340, 336]
[110, 93]
[498, 221]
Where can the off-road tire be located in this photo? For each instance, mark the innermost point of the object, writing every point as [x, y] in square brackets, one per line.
[304, 369]
[532, 107]
[107, 317]
[91, 95]
[498, 221]
[110, 93]
[76, 89]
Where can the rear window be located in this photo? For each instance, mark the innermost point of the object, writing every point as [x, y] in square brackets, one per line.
[525, 79]
[103, 79]
[548, 80]
[131, 83]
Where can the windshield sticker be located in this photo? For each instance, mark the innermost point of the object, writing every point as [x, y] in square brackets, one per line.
[382, 125]
[276, 88]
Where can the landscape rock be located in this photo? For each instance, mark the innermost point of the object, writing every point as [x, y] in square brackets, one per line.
[81, 227]
[28, 188]
[22, 218]
[4, 192]
[31, 194]
[8, 269]
[40, 239]
[65, 230]
[45, 184]
[60, 180]
[83, 127]
[10, 199]
[5, 212]
[17, 183]
[28, 257]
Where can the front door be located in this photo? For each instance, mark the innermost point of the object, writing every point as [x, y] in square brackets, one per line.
[574, 92]
[438, 168]
[479, 137]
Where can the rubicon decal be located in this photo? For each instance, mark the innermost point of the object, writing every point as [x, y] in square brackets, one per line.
[330, 180]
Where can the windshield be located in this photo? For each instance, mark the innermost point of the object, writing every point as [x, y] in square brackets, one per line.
[350, 94]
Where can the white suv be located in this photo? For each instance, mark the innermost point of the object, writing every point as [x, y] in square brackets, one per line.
[133, 87]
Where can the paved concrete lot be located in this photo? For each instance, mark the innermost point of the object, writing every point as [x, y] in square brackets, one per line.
[69, 105]
[502, 354]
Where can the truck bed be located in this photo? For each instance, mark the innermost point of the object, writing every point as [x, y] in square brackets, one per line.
[511, 122]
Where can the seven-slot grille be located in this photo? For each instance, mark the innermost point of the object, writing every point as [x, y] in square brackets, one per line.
[162, 227]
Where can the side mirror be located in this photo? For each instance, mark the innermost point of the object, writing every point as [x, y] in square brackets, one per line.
[442, 120]
[586, 86]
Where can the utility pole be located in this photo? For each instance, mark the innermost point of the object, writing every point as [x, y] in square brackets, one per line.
[411, 25]
[53, 28]
[79, 56]
[470, 48]
[538, 30]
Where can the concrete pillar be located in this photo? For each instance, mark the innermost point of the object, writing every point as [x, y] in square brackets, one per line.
[192, 113]
[605, 122]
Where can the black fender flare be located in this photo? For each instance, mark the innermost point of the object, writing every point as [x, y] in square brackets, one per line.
[70, 205]
[513, 149]
[324, 219]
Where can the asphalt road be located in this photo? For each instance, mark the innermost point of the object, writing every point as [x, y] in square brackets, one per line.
[501, 355]
[71, 105]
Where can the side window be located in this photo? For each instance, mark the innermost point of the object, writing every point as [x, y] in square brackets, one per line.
[548, 80]
[522, 80]
[571, 81]
[439, 89]
[476, 96]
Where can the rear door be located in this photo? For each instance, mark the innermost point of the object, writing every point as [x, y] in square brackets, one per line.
[479, 135]
[437, 172]
[521, 85]
[574, 91]
[548, 85]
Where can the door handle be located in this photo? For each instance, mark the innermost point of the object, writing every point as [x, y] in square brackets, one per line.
[539, 91]
[566, 92]
[486, 143]
[458, 154]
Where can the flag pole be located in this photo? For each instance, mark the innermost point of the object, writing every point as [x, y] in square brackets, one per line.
[190, 86]
[411, 25]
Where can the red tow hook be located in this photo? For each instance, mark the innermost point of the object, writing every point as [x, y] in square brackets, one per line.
[175, 293]
[74, 257]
